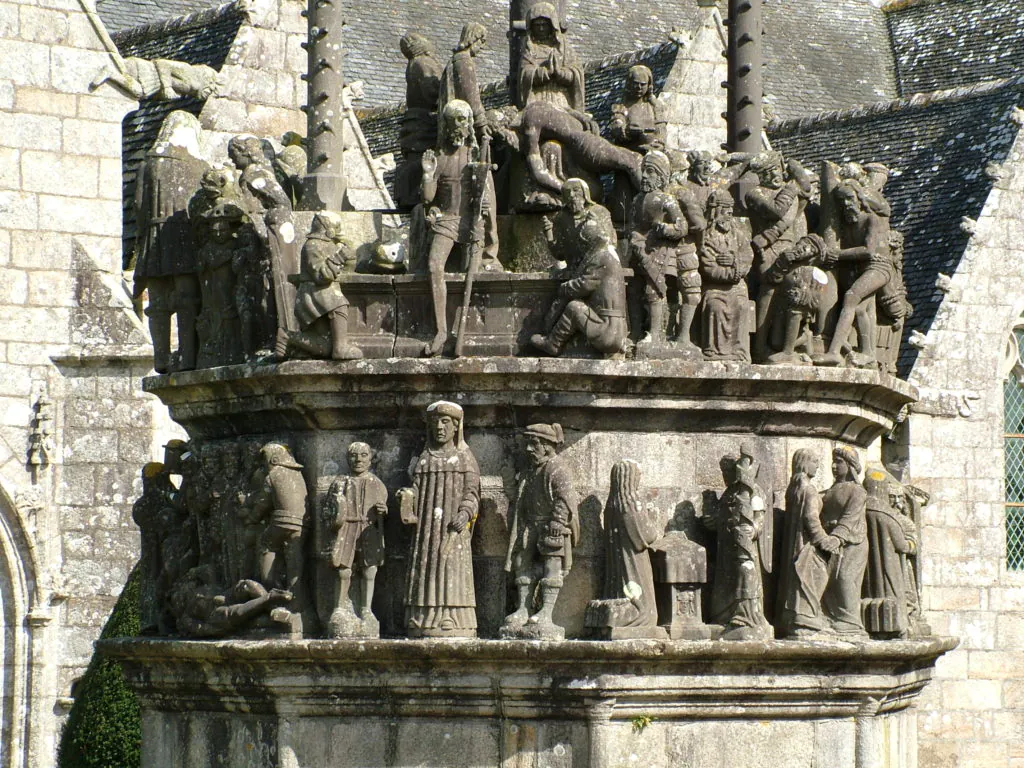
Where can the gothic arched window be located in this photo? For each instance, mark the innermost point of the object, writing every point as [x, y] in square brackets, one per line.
[1013, 433]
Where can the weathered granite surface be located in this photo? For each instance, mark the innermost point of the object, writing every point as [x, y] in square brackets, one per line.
[518, 703]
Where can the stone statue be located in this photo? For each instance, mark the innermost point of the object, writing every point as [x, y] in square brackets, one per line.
[165, 248]
[907, 501]
[151, 513]
[353, 514]
[548, 70]
[776, 210]
[843, 519]
[320, 306]
[864, 267]
[743, 522]
[804, 295]
[160, 79]
[459, 81]
[440, 598]
[637, 123]
[805, 553]
[725, 259]
[893, 307]
[270, 210]
[544, 528]
[628, 592]
[218, 326]
[283, 500]
[656, 228]
[418, 131]
[592, 302]
[892, 539]
[290, 169]
[457, 190]
[203, 610]
[703, 169]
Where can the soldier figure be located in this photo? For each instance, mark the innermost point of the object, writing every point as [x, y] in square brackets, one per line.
[457, 191]
[593, 300]
[165, 246]
[353, 514]
[544, 529]
[284, 497]
[418, 132]
[319, 300]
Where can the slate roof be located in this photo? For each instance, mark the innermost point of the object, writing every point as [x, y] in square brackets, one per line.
[201, 38]
[950, 43]
[938, 146]
[119, 15]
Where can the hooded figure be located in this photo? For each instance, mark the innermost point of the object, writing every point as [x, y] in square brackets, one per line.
[548, 70]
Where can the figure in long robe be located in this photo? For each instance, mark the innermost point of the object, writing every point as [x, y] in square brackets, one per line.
[440, 599]
[843, 518]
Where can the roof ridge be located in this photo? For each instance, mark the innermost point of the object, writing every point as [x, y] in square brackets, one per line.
[918, 100]
[899, 5]
[180, 23]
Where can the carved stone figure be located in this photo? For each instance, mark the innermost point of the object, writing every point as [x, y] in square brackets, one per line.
[907, 501]
[742, 520]
[320, 306]
[459, 81]
[457, 190]
[776, 210]
[805, 552]
[637, 123]
[592, 302]
[544, 528]
[656, 227]
[702, 171]
[628, 593]
[353, 514]
[725, 259]
[270, 210]
[864, 266]
[150, 513]
[892, 538]
[160, 79]
[283, 500]
[290, 170]
[165, 249]
[203, 610]
[418, 131]
[804, 296]
[440, 598]
[548, 70]
[218, 326]
[843, 519]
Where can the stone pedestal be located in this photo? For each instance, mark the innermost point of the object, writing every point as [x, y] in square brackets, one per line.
[487, 704]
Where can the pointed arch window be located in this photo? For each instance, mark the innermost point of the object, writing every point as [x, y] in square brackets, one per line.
[1013, 444]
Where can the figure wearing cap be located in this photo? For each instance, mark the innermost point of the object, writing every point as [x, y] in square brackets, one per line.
[443, 503]
[353, 514]
[544, 529]
[284, 497]
[843, 517]
[151, 513]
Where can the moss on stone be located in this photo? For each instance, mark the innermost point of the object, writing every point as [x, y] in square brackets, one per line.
[104, 727]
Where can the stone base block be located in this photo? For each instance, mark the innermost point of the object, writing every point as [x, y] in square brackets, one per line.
[481, 704]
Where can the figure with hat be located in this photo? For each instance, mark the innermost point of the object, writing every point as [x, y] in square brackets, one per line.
[725, 259]
[283, 501]
[353, 517]
[321, 308]
[544, 529]
[592, 302]
[443, 503]
[152, 511]
[218, 324]
[843, 518]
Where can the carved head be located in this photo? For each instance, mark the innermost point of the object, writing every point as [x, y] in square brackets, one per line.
[444, 424]
[245, 150]
[654, 170]
[414, 44]
[179, 129]
[278, 455]
[624, 489]
[679, 161]
[542, 21]
[576, 195]
[151, 474]
[805, 462]
[329, 223]
[215, 181]
[360, 457]
[845, 464]
[473, 38]
[769, 169]
[702, 166]
[639, 82]
[541, 442]
[851, 203]
[720, 206]
[458, 123]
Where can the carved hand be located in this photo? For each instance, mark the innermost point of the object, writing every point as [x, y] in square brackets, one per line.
[429, 163]
[832, 544]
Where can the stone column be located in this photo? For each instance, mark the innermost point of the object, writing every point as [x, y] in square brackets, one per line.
[325, 174]
[745, 84]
